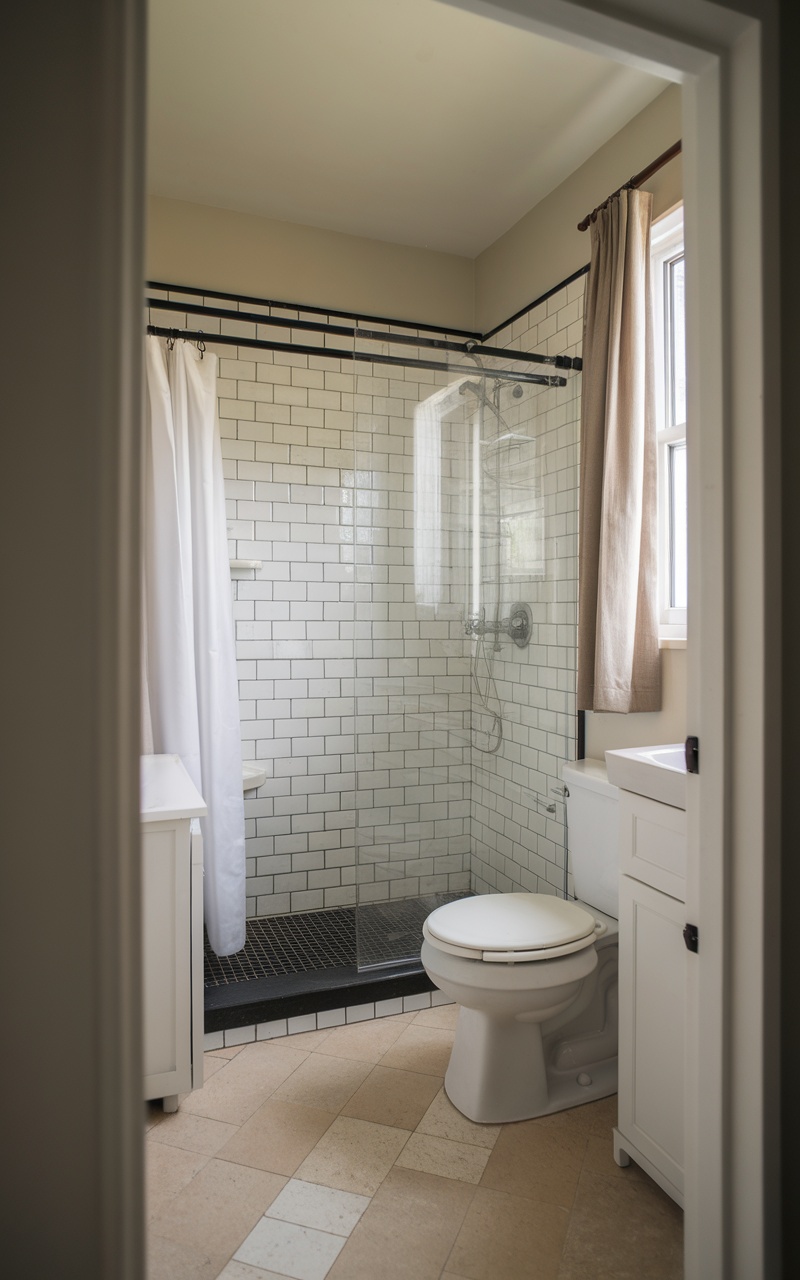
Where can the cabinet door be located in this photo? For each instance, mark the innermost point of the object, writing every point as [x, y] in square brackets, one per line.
[651, 1025]
[166, 948]
[653, 843]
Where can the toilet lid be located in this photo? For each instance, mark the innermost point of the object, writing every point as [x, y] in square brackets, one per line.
[510, 922]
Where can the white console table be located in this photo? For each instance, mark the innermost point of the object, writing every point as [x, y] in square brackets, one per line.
[172, 929]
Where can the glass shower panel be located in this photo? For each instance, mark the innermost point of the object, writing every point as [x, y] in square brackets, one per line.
[413, 569]
[525, 512]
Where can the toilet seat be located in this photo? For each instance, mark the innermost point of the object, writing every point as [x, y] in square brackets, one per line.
[511, 928]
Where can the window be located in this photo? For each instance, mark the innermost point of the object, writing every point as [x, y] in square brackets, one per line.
[669, 331]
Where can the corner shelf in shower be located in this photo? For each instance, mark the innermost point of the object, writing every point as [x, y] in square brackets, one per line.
[243, 565]
[254, 775]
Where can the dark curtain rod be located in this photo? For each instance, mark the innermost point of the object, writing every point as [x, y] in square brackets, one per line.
[470, 347]
[635, 181]
[230, 340]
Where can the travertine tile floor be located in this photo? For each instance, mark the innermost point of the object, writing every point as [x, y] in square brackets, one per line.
[336, 1154]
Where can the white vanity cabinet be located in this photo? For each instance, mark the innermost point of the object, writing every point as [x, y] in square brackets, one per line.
[172, 929]
[652, 976]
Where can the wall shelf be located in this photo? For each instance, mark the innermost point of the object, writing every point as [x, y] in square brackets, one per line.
[245, 564]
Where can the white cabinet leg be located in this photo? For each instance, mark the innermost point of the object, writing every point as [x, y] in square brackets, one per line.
[171, 1102]
[620, 1155]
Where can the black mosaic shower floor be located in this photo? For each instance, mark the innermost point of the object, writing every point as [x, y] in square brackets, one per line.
[389, 934]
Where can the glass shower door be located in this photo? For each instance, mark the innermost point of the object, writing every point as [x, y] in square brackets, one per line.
[412, 667]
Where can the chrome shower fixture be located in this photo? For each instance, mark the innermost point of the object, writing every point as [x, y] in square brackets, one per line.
[518, 626]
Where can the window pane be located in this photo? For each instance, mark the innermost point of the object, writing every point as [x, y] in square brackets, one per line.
[677, 515]
[677, 341]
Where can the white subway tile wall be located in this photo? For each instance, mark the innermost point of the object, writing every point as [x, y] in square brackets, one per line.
[357, 699]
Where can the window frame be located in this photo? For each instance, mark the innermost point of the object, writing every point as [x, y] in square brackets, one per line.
[666, 246]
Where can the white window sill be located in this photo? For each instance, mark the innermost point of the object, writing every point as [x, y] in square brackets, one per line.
[672, 642]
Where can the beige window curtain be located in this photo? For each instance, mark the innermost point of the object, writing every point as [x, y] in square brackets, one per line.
[618, 658]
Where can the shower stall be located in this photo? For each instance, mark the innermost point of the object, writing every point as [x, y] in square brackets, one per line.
[403, 525]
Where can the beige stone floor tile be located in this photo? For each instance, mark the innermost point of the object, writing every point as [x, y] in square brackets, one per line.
[508, 1237]
[216, 1210]
[443, 1120]
[212, 1065]
[307, 1039]
[308, 1204]
[396, 1098]
[623, 1229]
[193, 1133]
[441, 1015]
[540, 1161]
[234, 1093]
[278, 1136]
[363, 1041]
[324, 1082]
[407, 1231]
[424, 1049]
[599, 1158]
[230, 1052]
[446, 1159]
[243, 1271]
[598, 1118]
[353, 1155]
[303, 1252]
[174, 1260]
[167, 1171]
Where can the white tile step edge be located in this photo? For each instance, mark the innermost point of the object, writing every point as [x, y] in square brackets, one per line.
[321, 1021]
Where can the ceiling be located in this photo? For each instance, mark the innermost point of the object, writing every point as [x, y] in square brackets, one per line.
[403, 120]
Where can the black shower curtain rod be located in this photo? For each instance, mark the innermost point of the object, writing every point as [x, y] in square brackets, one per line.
[333, 353]
[469, 347]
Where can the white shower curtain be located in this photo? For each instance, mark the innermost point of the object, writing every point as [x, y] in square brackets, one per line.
[191, 705]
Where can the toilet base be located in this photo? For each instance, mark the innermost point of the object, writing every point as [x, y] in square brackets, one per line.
[498, 1073]
[508, 1065]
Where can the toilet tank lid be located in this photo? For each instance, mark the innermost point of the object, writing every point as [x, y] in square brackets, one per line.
[591, 774]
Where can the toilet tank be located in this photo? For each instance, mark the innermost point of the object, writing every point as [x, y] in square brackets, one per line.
[593, 833]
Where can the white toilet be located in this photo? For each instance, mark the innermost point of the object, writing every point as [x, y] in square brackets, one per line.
[536, 977]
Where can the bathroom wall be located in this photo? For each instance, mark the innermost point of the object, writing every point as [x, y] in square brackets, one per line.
[514, 269]
[288, 428]
[209, 248]
[545, 246]
[318, 457]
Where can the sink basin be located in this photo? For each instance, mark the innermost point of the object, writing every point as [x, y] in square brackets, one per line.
[657, 772]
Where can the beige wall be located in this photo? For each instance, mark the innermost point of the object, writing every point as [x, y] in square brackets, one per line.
[606, 731]
[194, 244]
[545, 246]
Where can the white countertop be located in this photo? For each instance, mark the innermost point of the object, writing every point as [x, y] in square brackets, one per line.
[167, 791]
